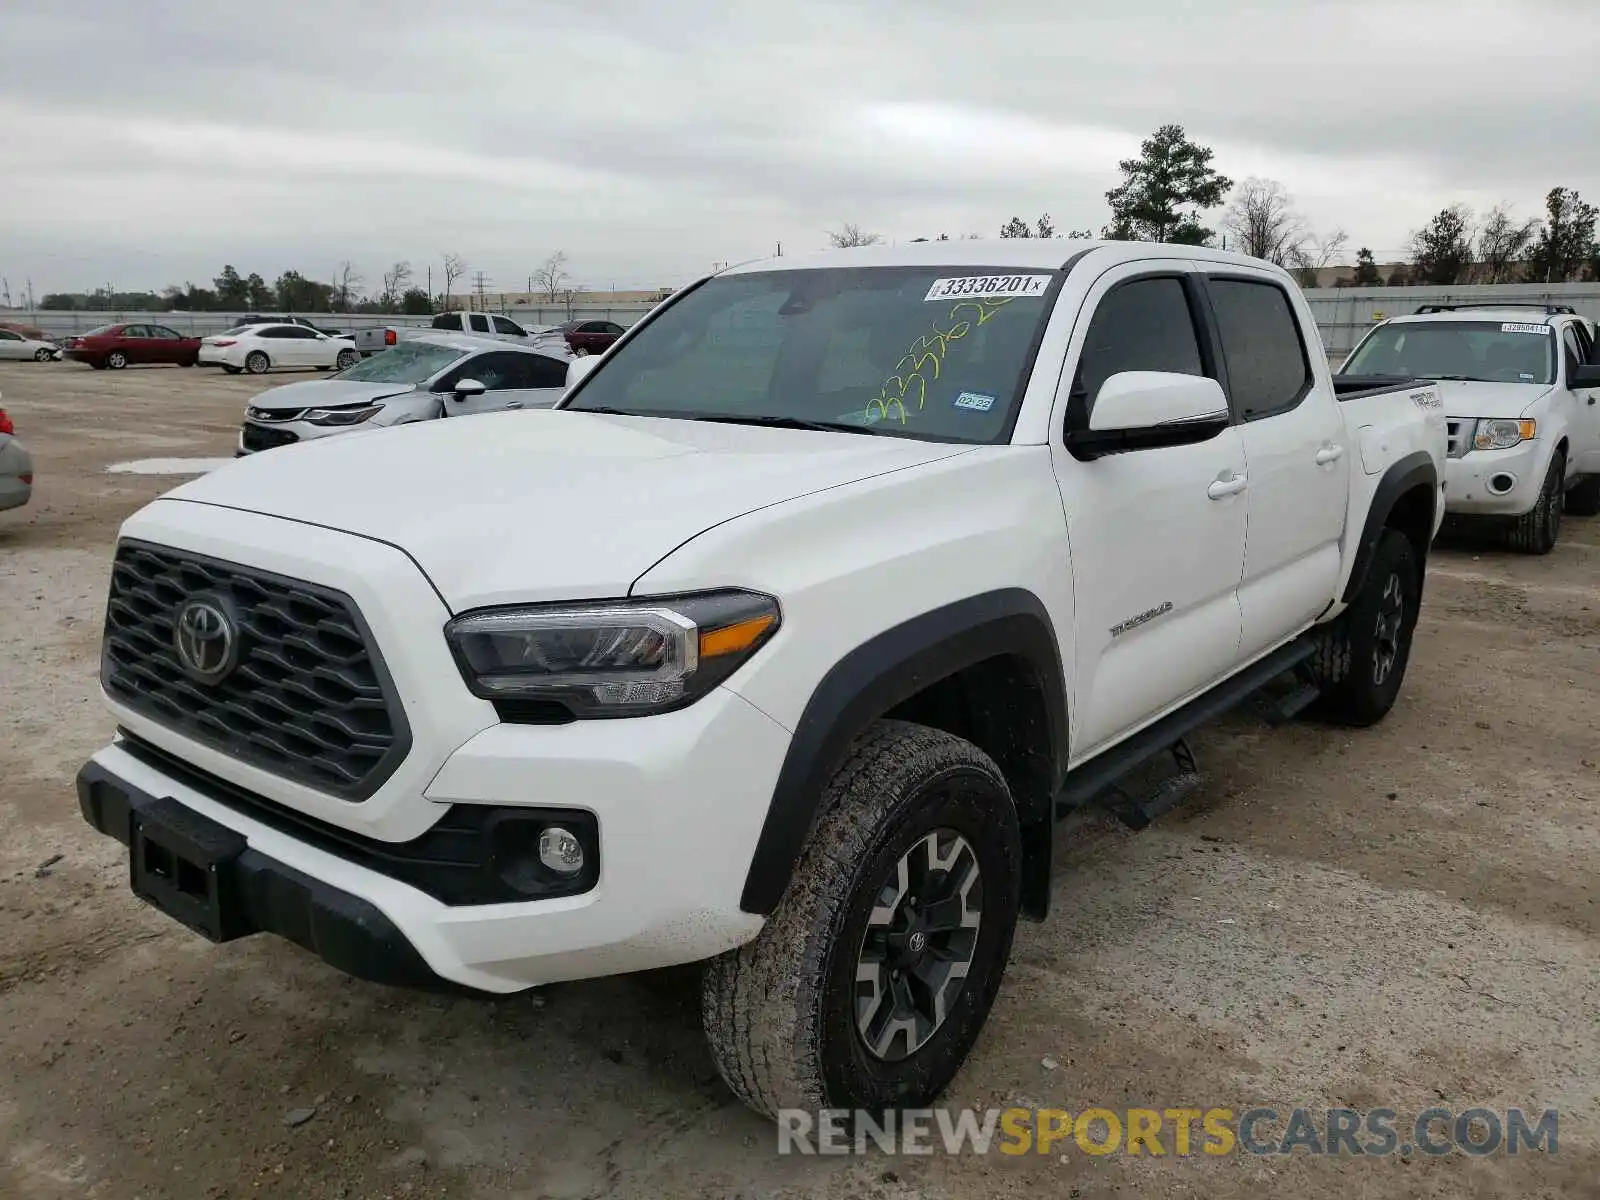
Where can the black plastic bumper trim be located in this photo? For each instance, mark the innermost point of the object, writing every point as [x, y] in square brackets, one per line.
[346, 932]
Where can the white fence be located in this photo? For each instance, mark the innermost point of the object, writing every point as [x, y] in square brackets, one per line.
[1344, 314]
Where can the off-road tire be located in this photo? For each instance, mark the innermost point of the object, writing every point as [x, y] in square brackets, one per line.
[1584, 499]
[257, 363]
[780, 1012]
[1536, 531]
[1357, 689]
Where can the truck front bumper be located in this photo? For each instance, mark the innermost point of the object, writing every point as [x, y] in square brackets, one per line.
[675, 808]
[1496, 483]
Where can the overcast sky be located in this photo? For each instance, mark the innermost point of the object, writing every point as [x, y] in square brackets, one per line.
[147, 144]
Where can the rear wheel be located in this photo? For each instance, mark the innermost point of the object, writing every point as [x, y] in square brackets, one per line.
[872, 981]
[1584, 500]
[257, 363]
[1362, 659]
[1536, 531]
[116, 360]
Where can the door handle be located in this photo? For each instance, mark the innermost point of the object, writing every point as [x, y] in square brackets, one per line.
[1329, 454]
[1223, 488]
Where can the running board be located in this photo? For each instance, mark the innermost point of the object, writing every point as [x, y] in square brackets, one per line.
[1089, 781]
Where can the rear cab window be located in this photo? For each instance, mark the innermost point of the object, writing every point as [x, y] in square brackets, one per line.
[1263, 347]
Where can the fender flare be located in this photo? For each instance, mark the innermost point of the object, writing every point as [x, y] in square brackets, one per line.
[1414, 470]
[872, 679]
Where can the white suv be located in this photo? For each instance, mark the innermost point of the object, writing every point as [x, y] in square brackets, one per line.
[1520, 390]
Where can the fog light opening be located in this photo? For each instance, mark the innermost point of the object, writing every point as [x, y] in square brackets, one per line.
[560, 851]
[1501, 483]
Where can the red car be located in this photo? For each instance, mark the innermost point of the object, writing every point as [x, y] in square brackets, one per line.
[590, 337]
[118, 346]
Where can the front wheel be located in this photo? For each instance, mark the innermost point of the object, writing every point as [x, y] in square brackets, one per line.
[257, 363]
[43, 355]
[1362, 659]
[1536, 531]
[870, 984]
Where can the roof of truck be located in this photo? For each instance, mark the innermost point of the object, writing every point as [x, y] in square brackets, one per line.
[1043, 254]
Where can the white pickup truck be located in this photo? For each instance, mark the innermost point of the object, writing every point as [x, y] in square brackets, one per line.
[779, 645]
[1520, 384]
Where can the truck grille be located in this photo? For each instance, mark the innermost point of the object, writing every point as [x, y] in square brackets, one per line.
[309, 699]
[1458, 430]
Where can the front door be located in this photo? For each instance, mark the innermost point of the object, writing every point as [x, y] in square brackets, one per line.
[1577, 349]
[1157, 537]
[1295, 446]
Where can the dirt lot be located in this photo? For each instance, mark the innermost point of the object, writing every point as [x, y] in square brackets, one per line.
[1401, 917]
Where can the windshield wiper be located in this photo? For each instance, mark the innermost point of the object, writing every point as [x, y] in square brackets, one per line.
[787, 423]
[1459, 378]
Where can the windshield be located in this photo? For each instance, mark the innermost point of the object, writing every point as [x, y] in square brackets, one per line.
[409, 362]
[930, 352]
[1484, 351]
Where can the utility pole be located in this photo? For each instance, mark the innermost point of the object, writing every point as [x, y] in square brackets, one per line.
[480, 286]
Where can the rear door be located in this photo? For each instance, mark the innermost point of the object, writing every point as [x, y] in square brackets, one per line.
[1157, 536]
[1294, 445]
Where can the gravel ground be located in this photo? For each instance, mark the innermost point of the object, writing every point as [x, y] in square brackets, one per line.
[1399, 917]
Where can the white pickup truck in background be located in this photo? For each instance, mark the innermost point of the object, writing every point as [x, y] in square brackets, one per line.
[781, 644]
[490, 325]
[1520, 384]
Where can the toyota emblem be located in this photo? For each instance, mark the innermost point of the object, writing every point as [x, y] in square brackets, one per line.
[206, 638]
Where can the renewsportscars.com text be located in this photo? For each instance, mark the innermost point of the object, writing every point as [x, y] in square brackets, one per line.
[1158, 1132]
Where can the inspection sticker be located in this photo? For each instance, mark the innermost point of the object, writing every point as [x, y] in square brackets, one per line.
[975, 400]
[988, 287]
[1519, 327]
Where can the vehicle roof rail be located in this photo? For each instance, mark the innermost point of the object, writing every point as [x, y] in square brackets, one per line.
[1541, 305]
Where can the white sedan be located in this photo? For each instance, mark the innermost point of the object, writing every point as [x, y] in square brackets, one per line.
[17, 346]
[262, 348]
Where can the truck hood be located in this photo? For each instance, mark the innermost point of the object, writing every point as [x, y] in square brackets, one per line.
[538, 505]
[1471, 399]
[326, 393]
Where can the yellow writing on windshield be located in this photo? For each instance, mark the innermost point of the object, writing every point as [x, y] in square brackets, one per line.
[924, 361]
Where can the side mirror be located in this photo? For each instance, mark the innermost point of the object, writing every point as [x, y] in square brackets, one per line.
[1146, 410]
[1586, 376]
[579, 367]
[468, 387]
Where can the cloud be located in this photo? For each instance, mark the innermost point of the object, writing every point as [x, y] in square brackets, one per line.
[150, 144]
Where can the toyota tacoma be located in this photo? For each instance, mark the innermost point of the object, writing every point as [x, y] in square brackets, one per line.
[779, 645]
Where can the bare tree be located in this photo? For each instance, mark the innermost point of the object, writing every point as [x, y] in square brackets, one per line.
[454, 268]
[395, 280]
[347, 283]
[1262, 221]
[1502, 242]
[852, 235]
[551, 276]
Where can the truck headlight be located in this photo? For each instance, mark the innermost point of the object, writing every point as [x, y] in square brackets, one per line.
[342, 416]
[1495, 433]
[612, 658]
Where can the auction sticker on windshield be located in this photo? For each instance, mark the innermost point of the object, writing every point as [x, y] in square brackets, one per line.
[987, 286]
[1519, 327]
